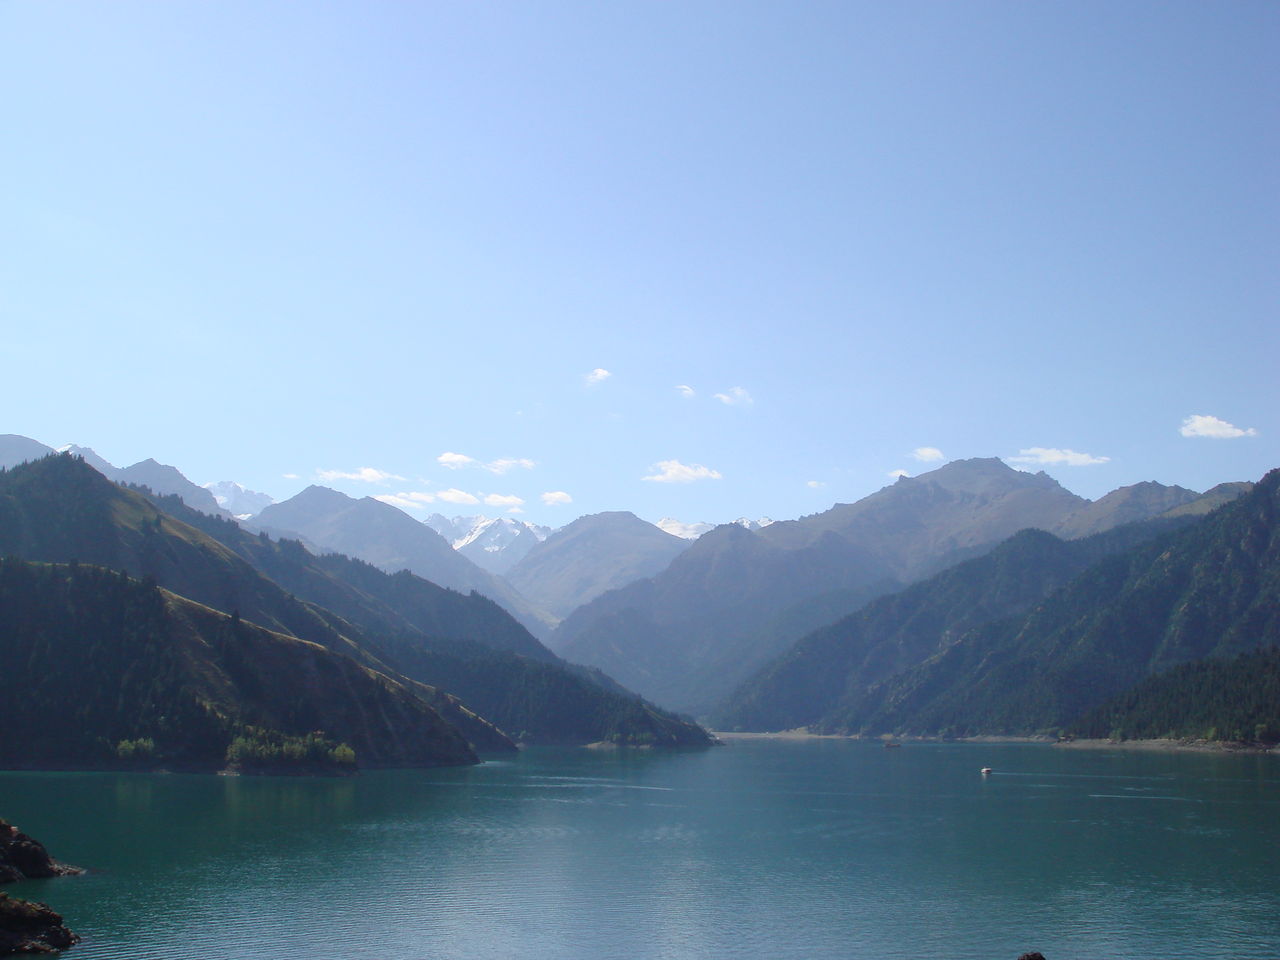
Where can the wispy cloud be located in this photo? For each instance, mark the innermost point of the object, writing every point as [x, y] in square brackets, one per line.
[927, 454]
[364, 475]
[453, 495]
[673, 471]
[503, 465]
[597, 376]
[456, 461]
[503, 500]
[407, 501]
[686, 391]
[1201, 425]
[735, 397]
[1055, 457]
[815, 484]
[898, 473]
[553, 497]
[290, 476]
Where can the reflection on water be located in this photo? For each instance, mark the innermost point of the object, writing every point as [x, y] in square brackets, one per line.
[816, 849]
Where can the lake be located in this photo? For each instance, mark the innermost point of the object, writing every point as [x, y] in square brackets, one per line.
[770, 849]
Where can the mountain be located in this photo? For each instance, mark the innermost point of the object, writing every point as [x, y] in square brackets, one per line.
[686, 531]
[158, 477]
[692, 531]
[236, 500]
[1211, 499]
[162, 478]
[1211, 590]
[590, 556]
[15, 450]
[105, 670]
[737, 597]
[826, 672]
[690, 634]
[462, 643]
[497, 544]
[1124, 505]
[1237, 699]
[392, 540]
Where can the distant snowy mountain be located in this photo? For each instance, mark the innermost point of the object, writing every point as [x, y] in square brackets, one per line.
[685, 531]
[237, 500]
[692, 531]
[159, 478]
[494, 543]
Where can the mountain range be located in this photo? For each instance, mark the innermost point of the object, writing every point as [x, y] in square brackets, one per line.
[738, 597]
[1037, 632]
[848, 620]
[404, 629]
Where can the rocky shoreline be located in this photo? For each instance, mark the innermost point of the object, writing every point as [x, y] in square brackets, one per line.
[25, 926]
[1165, 745]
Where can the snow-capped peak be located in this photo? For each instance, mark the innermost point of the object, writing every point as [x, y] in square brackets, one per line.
[241, 502]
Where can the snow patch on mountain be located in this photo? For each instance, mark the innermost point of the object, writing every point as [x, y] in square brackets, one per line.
[692, 531]
[238, 500]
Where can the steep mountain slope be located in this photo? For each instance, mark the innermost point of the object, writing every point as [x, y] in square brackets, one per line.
[687, 636]
[107, 669]
[380, 534]
[236, 500]
[1234, 699]
[828, 671]
[1124, 505]
[15, 450]
[1212, 590]
[464, 643]
[162, 478]
[735, 598]
[1211, 499]
[590, 556]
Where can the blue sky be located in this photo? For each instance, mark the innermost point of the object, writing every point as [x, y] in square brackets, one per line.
[280, 243]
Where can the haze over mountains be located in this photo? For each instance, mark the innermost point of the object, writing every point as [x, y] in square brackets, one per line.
[754, 623]
[738, 597]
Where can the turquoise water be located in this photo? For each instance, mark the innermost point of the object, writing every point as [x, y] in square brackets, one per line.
[761, 849]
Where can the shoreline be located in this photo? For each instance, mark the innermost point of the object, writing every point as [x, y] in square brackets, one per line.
[1154, 745]
[1164, 745]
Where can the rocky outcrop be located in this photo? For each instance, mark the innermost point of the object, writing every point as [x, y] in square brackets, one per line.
[24, 858]
[27, 927]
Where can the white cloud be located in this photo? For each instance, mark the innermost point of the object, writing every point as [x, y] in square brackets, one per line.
[898, 473]
[364, 475]
[598, 375]
[553, 497]
[927, 454]
[406, 501]
[502, 500]
[815, 484]
[686, 391]
[290, 476]
[1200, 425]
[1052, 456]
[673, 471]
[503, 465]
[454, 461]
[735, 397]
[456, 496]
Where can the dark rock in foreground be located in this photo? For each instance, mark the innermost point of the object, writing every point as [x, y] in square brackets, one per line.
[23, 858]
[27, 927]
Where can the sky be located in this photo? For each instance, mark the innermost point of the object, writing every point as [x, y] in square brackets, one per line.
[697, 259]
